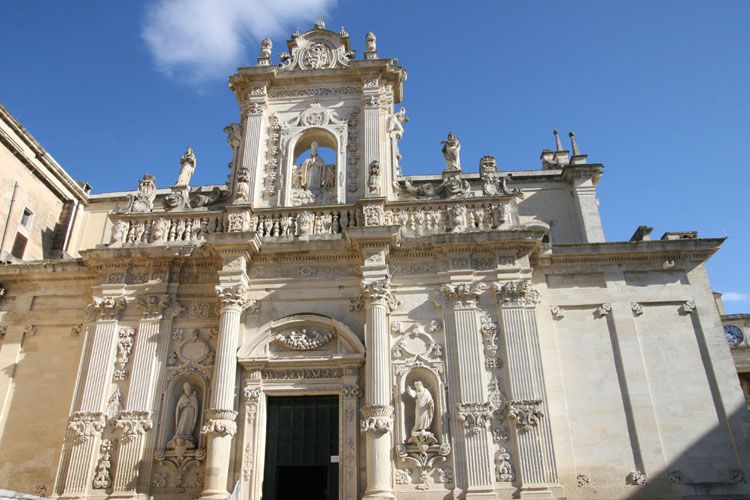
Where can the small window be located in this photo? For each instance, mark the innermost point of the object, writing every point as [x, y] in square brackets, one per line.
[27, 218]
[19, 246]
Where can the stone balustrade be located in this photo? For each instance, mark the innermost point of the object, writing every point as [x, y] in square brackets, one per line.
[415, 219]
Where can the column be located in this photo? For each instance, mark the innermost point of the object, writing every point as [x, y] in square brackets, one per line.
[245, 174]
[377, 412]
[468, 392]
[88, 422]
[136, 420]
[220, 426]
[527, 404]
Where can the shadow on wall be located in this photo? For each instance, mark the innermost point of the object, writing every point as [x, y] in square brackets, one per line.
[716, 479]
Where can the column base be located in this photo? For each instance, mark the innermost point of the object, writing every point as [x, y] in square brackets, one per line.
[536, 493]
[378, 495]
[214, 495]
[480, 494]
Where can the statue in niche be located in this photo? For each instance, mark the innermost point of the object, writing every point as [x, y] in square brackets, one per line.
[187, 167]
[313, 180]
[373, 181]
[185, 416]
[424, 409]
[451, 151]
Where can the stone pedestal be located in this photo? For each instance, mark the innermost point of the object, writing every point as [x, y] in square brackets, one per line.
[468, 395]
[377, 412]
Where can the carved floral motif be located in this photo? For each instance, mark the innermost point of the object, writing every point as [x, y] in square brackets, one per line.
[103, 473]
[463, 294]
[124, 347]
[526, 413]
[475, 416]
[503, 467]
[86, 424]
[134, 423]
[304, 339]
[517, 293]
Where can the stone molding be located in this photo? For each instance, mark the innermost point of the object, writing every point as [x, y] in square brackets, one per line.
[463, 295]
[376, 418]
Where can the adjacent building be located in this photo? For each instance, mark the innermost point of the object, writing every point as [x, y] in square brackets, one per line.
[323, 326]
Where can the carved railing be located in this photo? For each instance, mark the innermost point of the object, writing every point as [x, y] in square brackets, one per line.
[415, 218]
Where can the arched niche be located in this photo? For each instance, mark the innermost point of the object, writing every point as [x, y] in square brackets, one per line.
[324, 127]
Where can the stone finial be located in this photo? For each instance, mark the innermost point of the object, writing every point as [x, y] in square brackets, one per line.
[264, 58]
[558, 141]
[371, 46]
[296, 33]
[573, 144]
[343, 33]
[320, 24]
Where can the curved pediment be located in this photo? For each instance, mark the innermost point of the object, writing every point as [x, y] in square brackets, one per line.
[317, 49]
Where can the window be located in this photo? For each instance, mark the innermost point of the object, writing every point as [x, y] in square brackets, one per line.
[27, 218]
[19, 246]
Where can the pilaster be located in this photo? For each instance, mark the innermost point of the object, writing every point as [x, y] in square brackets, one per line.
[87, 423]
[372, 129]
[468, 397]
[527, 404]
[245, 175]
[584, 178]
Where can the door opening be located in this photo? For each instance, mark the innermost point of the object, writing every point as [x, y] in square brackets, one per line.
[302, 440]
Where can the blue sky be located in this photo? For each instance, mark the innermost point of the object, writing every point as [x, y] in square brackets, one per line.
[659, 92]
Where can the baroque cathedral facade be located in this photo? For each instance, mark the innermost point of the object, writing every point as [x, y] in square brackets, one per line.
[323, 326]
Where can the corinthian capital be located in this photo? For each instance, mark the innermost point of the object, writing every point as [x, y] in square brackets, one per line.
[220, 422]
[106, 308]
[376, 418]
[86, 424]
[517, 293]
[379, 291]
[463, 294]
[233, 296]
[134, 423]
[152, 306]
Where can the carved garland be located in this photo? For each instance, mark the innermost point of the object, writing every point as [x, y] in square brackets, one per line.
[304, 339]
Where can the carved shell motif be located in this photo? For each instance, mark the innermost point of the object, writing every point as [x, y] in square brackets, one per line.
[304, 339]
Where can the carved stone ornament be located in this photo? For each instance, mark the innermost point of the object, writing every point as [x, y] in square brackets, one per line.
[86, 424]
[425, 452]
[416, 341]
[76, 330]
[233, 296]
[142, 201]
[517, 293]
[489, 330]
[603, 310]
[451, 152]
[636, 308]
[134, 423]
[674, 476]
[374, 215]
[525, 413]
[583, 480]
[376, 418]
[106, 308]
[103, 472]
[152, 306]
[124, 346]
[503, 467]
[557, 312]
[314, 116]
[314, 52]
[220, 422]
[687, 307]
[475, 416]
[380, 290]
[304, 339]
[637, 478]
[463, 294]
[373, 179]
[737, 476]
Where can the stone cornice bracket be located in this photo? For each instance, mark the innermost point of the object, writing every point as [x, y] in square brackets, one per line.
[688, 307]
[134, 423]
[379, 291]
[106, 308]
[153, 306]
[463, 295]
[220, 422]
[603, 310]
[233, 296]
[516, 294]
[376, 418]
[475, 416]
[86, 424]
[525, 413]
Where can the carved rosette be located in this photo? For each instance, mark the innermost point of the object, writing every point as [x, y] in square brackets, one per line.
[86, 424]
[134, 423]
[379, 292]
[475, 416]
[376, 418]
[106, 308]
[152, 306]
[463, 295]
[517, 293]
[525, 413]
[220, 422]
[233, 297]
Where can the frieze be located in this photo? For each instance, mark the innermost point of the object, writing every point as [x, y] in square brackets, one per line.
[301, 373]
[314, 92]
[303, 271]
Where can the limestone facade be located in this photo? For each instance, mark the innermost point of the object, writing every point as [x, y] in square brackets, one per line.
[483, 338]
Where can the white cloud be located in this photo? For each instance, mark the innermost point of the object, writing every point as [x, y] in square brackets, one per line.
[733, 297]
[198, 40]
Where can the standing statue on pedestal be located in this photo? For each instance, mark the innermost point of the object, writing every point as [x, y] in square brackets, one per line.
[424, 408]
[313, 180]
[187, 167]
[395, 127]
[185, 416]
[451, 151]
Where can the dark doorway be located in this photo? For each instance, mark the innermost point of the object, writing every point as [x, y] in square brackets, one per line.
[302, 440]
